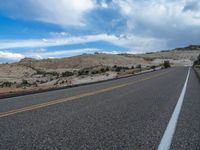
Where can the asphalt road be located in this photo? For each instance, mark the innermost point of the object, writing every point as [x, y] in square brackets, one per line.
[130, 113]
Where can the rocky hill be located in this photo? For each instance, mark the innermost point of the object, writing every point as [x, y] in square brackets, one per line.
[189, 48]
[179, 56]
[39, 74]
[79, 62]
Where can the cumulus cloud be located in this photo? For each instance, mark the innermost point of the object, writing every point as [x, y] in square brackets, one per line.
[104, 4]
[147, 24]
[177, 22]
[10, 57]
[62, 12]
[192, 5]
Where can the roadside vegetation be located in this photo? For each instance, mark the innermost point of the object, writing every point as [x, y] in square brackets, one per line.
[196, 65]
[46, 79]
[166, 64]
[197, 62]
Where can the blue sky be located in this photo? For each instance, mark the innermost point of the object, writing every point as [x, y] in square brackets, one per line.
[54, 29]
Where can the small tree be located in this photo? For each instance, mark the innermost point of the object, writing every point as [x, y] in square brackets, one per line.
[153, 67]
[103, 70]
[197, 62]
[107, 68]
[166, 64]
[6, 84]
[198, 58]
[83, 72]
[67, 74]
[139, 66]
[24, 82]
[118, 69]
[115, 66]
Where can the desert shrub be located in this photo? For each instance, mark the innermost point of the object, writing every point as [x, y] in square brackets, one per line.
[166, 64]
[153, 67]
[95, 72]
[198, 58]
[40, 72]
[115, 66]
[118, 69]
[67, 74]
[139, 66]
[52, 73]
[83, 72]
[35, 84]
[6, 84]
[125, 68]
[86, 72]
[197, 62]
[102, 70]
[25, 83]
[132, 67]
[197, 66]
[62, 82]
[107, 69]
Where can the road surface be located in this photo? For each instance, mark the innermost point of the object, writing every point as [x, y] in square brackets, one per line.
[131, 113]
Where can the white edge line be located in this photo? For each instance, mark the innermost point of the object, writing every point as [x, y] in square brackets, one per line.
[171, 127]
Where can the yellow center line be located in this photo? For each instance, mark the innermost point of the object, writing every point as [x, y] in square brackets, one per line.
[62, 100]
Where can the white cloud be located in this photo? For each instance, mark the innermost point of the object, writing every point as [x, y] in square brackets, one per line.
[139, 43]
[146, 24]
[160, 12]
[104, 4]
[126, 6]
[64, 12]
[61, 12]
[59, 34]
[177, 22]
[10, 57]
[54, 41]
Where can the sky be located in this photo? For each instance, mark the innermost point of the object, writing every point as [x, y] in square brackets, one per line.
[63, 28]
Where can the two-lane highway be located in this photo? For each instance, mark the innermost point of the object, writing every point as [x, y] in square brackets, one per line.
[129, 113]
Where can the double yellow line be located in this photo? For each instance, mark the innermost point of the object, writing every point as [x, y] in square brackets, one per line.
[58, 101]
